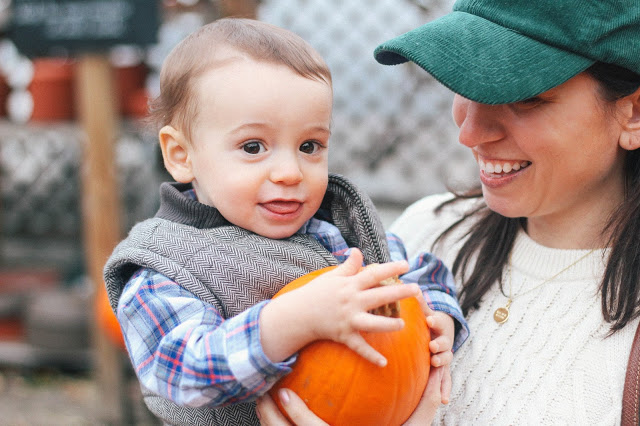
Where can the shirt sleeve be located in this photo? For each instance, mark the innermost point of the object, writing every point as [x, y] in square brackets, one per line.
[182, 348]
[436, 282]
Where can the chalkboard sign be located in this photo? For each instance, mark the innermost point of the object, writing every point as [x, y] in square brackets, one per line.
[43, 27]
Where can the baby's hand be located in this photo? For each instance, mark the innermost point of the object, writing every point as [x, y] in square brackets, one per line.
[335, 306]
[442, 330]
[346, 296]
[442, 335]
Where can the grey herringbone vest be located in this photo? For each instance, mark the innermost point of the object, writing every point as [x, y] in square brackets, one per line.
[232, 268]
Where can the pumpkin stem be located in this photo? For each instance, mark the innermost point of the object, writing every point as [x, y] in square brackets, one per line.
[390, 309]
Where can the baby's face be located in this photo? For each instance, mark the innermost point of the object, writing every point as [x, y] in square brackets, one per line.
[260, 145]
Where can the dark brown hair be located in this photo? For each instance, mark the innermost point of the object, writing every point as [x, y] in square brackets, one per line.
[492, 236]
[209, 45]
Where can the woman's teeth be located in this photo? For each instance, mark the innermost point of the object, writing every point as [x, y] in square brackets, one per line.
[505, 167]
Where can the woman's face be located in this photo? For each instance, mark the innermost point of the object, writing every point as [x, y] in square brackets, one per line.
[552, 157]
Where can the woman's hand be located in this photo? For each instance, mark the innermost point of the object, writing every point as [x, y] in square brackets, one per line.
[270, 415]
[426, 409]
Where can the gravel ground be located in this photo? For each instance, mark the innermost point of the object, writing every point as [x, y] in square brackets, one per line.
[50, 397]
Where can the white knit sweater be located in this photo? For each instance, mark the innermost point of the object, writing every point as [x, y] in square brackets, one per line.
[551, 362]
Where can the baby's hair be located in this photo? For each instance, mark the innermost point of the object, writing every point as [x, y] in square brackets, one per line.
[199, 52]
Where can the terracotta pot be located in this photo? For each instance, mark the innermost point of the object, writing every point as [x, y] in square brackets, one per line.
[137, 105]
[130, 81]
[52, 89]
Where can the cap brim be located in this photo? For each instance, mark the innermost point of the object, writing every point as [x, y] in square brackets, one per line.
[481, 60]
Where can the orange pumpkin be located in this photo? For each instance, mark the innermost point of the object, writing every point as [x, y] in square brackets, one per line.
[107, 320]
[343, 388]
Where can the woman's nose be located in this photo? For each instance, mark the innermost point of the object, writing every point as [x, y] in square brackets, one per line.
[478, 123]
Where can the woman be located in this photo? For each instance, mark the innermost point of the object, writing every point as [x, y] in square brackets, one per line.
[545, 251]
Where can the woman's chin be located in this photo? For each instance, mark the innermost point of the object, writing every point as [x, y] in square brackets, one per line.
[504, 206]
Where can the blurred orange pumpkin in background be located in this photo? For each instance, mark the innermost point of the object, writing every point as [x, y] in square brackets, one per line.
[107, 320]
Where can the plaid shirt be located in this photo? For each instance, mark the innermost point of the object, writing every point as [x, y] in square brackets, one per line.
[181, 348]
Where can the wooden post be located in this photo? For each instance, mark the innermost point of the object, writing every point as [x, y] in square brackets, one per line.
[239, 8]
[96, 104]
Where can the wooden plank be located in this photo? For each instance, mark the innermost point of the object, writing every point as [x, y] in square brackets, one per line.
[101, 216]
[239, 8]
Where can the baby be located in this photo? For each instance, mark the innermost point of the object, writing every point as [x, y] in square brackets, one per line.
[245, 121]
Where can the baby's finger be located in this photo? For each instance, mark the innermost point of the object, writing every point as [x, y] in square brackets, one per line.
[423, 305]
[351, 266]
[356, 343]
[441, 359]
[440, 344]
[376, 323]
[371, 275]
[378, 296]
[435, 323]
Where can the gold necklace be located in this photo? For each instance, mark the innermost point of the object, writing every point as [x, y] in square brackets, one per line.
[501, 315]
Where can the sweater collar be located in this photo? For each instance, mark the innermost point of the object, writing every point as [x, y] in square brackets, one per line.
[177, 207]
[540, 262]
[344, 205]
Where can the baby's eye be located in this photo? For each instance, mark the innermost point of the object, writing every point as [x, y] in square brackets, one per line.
[309, 147]
[253, 147]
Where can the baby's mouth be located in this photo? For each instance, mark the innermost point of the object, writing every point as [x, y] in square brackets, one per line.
[282, 207]
[501, 168]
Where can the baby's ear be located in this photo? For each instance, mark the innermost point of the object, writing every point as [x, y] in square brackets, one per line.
[630, 135]
[176, 153]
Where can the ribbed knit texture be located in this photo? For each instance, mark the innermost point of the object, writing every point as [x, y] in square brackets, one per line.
[551, 362]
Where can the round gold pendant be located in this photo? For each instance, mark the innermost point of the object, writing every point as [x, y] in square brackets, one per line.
[501, 315]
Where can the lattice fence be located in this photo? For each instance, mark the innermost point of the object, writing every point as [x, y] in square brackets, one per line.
[40, 187]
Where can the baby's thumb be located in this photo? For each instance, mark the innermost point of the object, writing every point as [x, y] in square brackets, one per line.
[353, 264]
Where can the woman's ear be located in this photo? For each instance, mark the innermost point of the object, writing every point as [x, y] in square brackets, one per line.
[176, 153]
[630, 135]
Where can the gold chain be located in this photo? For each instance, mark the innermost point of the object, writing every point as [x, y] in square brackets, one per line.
[501, 315]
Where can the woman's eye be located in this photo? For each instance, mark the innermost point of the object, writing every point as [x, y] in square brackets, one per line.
[309, 147]
[530, 102]
[253, 147]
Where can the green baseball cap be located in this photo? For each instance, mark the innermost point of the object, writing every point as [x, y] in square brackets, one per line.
[503, 51]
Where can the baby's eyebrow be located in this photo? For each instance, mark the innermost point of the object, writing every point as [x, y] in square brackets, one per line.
[321, 129]
[250, 126]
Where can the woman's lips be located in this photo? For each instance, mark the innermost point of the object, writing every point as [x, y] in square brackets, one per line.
[502, 167]
[497, 180]
[496, 173]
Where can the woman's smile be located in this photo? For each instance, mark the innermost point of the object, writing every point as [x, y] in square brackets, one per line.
[497, 173]
[500, 168]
